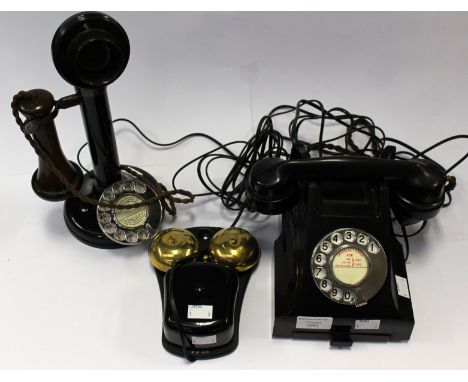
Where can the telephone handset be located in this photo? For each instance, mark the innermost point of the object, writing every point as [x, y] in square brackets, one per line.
[417, 185]
[339, 269]
[37, 108]
[90, 51]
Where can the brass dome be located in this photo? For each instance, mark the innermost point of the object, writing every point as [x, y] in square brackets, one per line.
[171, 245]
[234, 247]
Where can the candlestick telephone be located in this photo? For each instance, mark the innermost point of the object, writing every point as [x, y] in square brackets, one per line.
[113, 205]
[339, 268]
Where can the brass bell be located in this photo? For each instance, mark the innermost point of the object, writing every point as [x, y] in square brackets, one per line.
[171, 245]
[234, 247]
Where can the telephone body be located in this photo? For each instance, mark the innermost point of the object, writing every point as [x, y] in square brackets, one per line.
[324, 208]
[340, 271]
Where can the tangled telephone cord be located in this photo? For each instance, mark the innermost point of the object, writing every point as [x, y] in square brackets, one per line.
[269, 142]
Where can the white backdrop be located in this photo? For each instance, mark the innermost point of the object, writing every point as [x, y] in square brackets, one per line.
[66, 305]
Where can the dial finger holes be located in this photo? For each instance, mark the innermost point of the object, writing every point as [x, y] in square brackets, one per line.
[373, 248]
[350, 236]
[110, 228]
[362, 239]
[336, 294]
[320, 273]
[336, 238]
[349, 297]
[105, 218]
[120, 235]
[320, 259]
[326, 285]
[326, 247]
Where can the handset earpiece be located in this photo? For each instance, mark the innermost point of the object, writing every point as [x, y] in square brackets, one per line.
[170, 246]
[420, 193]
[234, 247]
[268, 189]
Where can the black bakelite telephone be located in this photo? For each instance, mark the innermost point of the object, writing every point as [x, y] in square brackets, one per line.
[339, 269]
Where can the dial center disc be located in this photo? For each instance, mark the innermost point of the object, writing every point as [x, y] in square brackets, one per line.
[134, 217]
[350, 266]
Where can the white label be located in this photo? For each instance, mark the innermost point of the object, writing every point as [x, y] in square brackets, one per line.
[323, 323]
[367, 324]
[402, 286]
[205, 340]
[200, 311]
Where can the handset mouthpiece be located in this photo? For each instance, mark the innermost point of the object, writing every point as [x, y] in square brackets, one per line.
[90, 50]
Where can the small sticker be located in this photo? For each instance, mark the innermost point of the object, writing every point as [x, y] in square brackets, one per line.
[204, 340]
[200, 311]
[367, 324]
[402, 286]
[321, 323]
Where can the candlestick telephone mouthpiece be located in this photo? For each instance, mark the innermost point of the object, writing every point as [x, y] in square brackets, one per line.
[90, 50]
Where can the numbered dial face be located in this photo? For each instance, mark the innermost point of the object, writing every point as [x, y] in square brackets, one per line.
[349, 266]
[128, 226]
